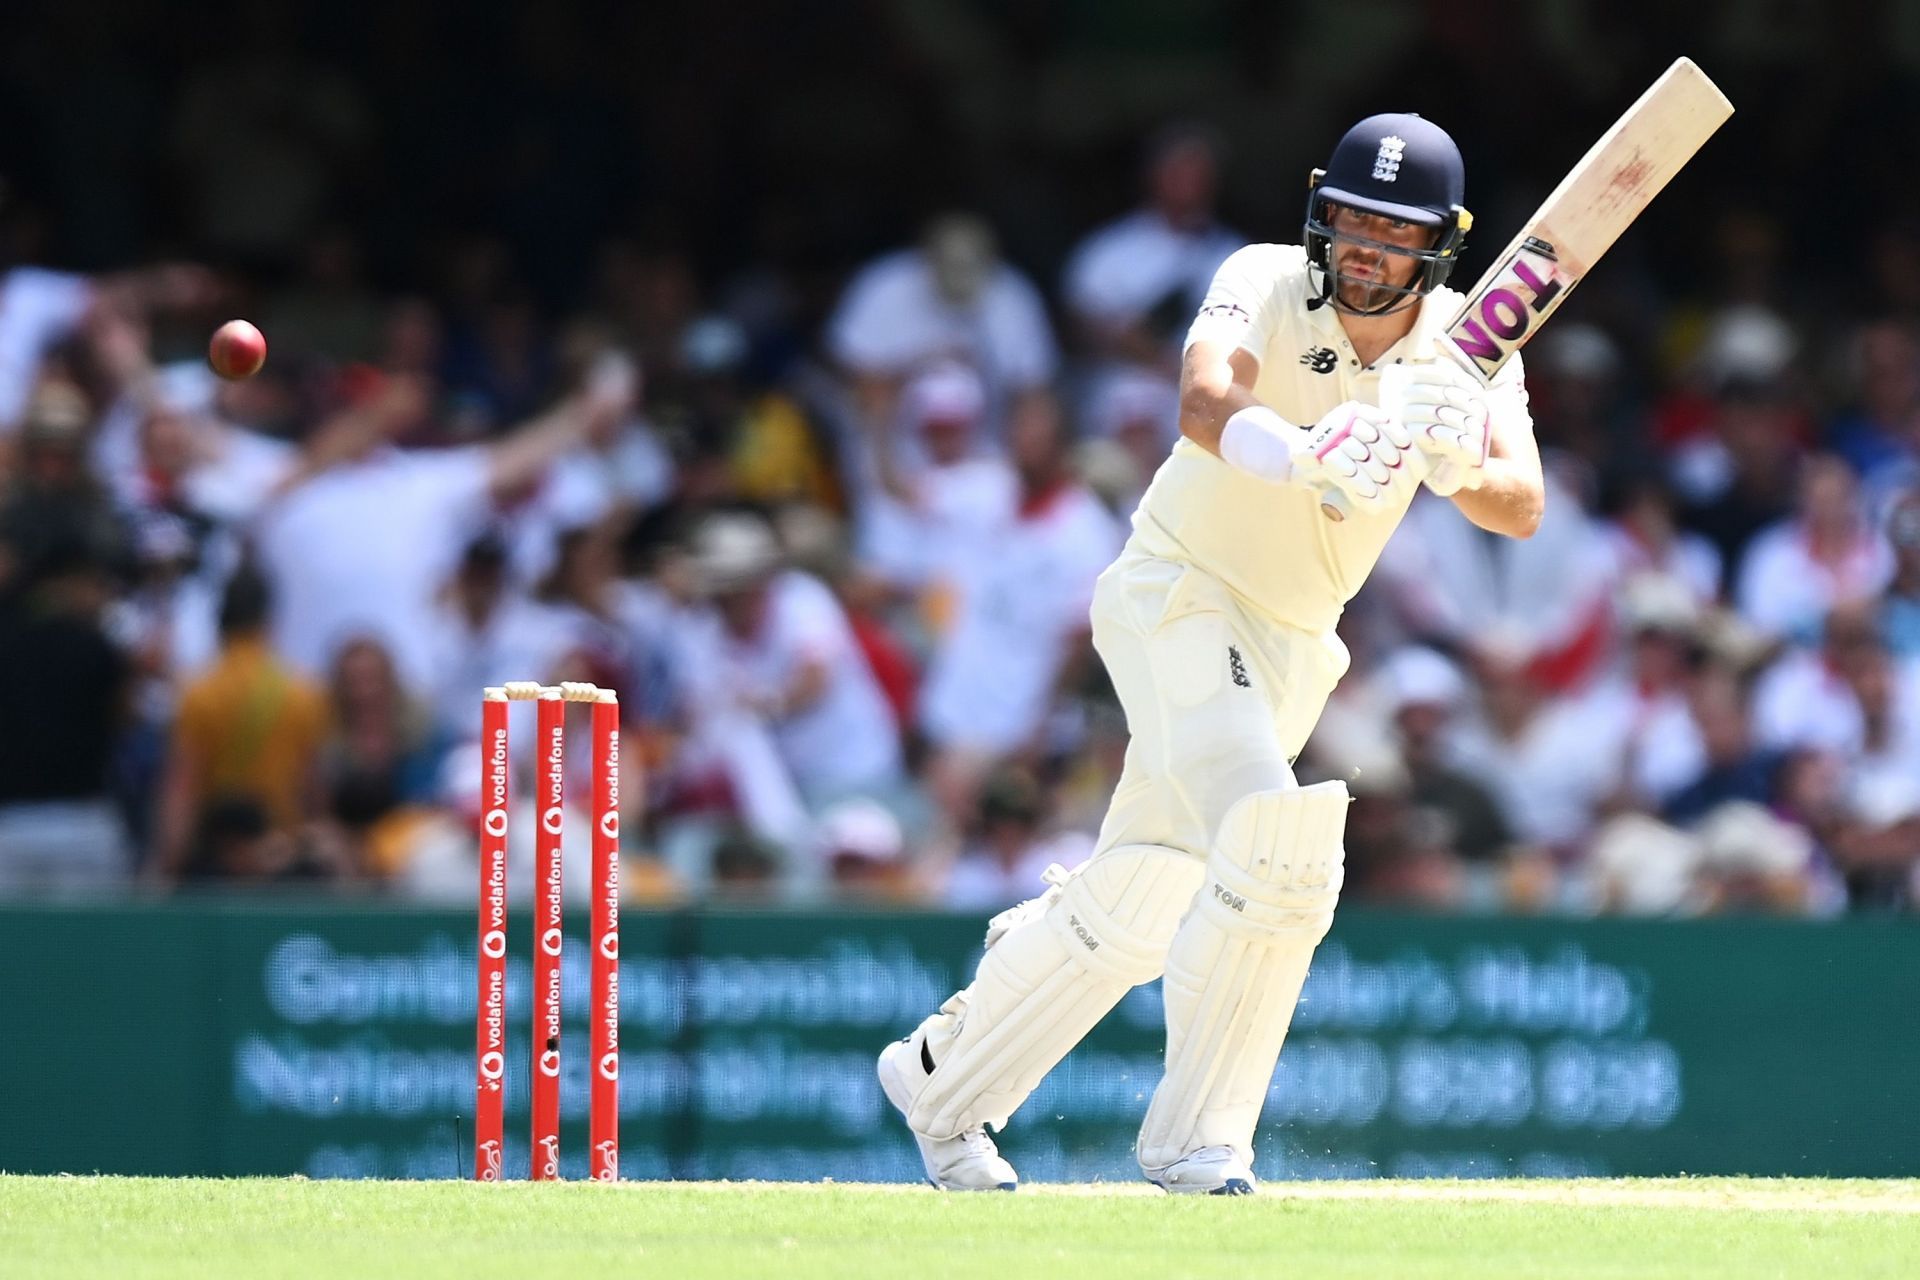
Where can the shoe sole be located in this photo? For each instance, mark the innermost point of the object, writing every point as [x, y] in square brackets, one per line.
[896, 1091]
[1231, 1187]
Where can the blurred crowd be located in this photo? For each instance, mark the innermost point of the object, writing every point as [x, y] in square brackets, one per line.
[838, 567]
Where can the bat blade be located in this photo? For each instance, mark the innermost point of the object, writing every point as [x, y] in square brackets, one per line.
[1597, 201]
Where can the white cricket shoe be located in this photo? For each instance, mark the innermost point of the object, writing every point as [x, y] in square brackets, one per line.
[1210, 1171]
[966, 1162]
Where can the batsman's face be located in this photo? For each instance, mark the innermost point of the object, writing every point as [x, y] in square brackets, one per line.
[1363, 256]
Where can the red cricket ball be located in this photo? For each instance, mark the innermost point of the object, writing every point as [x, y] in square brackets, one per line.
[237, 351]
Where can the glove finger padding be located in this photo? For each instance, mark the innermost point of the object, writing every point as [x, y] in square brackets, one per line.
[1366, 461]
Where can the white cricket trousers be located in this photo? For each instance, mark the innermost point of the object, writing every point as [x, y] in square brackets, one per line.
[1219, 699]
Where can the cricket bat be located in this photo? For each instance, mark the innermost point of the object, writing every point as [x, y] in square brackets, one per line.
[1586, 213]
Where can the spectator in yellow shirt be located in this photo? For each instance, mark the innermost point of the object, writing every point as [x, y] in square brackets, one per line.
[249, 732]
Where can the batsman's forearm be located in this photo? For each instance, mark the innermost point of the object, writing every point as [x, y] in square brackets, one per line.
[1204, 417]
[1214, 385]
[1510, 500]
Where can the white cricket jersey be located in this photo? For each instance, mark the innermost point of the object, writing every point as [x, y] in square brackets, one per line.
[1269, 543]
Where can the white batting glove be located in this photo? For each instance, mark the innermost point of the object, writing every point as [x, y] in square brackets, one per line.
[1445, 409]
[1362, 451]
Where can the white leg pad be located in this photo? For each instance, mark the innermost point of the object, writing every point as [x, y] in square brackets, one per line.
[1236, 966]
[1054, 967]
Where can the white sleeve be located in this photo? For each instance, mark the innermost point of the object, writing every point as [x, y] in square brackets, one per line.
[1022, 335]
[1239, 307]
[814, 622]
[870, 330]
[452, 482]
[1083, 284]
[1091, 544]
[38, 308]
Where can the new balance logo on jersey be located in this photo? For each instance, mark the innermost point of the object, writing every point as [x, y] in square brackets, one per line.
[1319, 359]
[1386, 165]
[1226, 311]
[1238, 666]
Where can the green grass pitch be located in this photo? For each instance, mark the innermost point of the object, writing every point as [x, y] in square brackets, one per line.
[265, 1228]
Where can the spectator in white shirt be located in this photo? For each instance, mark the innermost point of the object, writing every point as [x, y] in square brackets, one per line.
[774, 650]
[1021, 618]
[1539, 756]
[939, 491]
[1639, 716]
[1878, 844]
[40, 309]
[483, 633]
[1135, 416]
[1826, 555]
[1643, 536]
[1133, 285]
[1455, 585]
[952, 297]
[1810, 699]
[365, 546]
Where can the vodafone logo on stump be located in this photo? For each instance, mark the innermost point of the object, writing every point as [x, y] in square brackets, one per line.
[494, 944]
[493, 1065]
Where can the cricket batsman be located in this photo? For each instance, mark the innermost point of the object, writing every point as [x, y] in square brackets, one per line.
[1214, 866]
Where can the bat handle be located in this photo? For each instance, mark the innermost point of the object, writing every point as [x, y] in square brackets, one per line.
[1334, 505]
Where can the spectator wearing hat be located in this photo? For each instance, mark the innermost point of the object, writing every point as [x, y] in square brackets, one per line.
[1133, 418]
[1425, 692]
[50, 497]
[863, 853]
[1639, 712]
[941, 493]
[774, 649]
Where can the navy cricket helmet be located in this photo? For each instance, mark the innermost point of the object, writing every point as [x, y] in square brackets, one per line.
[1398, 166]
